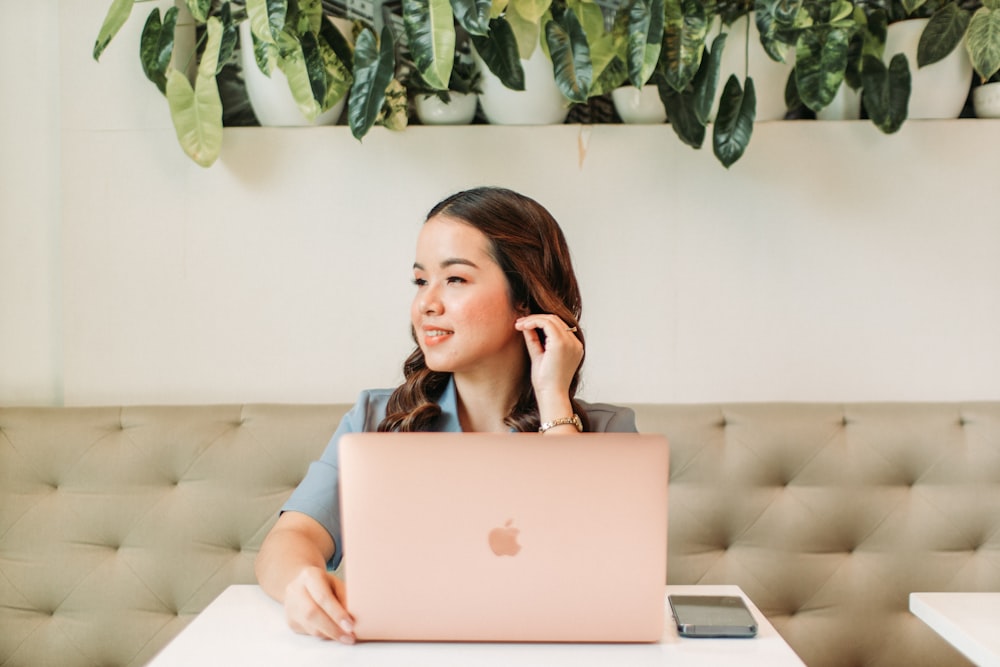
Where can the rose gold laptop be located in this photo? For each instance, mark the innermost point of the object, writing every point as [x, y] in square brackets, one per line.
[505, 537]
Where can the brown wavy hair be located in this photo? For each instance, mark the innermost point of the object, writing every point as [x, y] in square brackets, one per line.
[528, 245]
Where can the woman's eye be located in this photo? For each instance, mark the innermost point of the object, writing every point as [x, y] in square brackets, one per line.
[455, 280]
[419, 282]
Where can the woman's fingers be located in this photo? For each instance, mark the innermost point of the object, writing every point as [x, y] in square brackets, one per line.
[555, 353]
[313, 607]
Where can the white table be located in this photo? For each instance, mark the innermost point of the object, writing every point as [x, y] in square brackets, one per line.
[245, 627]
[968, 621]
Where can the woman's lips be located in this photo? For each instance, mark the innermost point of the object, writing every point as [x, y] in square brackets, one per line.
[436, 336]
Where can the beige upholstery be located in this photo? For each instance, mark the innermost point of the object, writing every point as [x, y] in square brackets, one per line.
[117, 525]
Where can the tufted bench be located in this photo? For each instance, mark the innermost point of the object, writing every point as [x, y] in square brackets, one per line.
[119, 524]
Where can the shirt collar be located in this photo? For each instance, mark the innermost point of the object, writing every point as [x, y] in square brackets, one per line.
[448, 420]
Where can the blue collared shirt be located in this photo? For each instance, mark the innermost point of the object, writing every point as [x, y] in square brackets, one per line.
[318, 495]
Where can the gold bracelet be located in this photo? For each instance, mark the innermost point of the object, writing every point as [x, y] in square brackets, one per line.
[574, 420]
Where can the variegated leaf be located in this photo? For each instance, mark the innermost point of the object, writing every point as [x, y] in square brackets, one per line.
[374, 64]
[685, 28]
[197, 112]
[570, 56]
[983, 41]
[117, 15]
[500, 55]
[430, 34]
[156, 46]
[820, 63]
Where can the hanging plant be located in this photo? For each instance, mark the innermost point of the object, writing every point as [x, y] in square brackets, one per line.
[292, 35]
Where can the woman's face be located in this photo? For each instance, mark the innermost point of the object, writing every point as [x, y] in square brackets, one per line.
[462, 313]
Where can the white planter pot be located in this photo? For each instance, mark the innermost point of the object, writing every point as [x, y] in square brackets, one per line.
[540, 103]
[986, 100]
[432, 111]
[270, 97]
[938, 90]
[846, 105]
[769, 77]
[640, 107]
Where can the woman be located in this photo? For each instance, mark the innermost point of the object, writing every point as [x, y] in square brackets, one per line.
[498, 348]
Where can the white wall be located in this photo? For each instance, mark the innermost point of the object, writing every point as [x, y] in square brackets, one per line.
[831, 263]
[30, 357]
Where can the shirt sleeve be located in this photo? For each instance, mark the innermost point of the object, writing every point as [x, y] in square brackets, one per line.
[318, 495]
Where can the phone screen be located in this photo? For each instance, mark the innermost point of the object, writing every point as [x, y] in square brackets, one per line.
[712, 616]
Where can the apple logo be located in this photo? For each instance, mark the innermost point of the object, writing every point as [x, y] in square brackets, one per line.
[503, 539]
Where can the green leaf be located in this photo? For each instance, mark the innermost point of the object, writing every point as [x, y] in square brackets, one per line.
[820, 63]
[337, 72]
[315, 67]
[473, 15]
[393, 115]
[706, 80]
[875, 34]
[983, 41]
[267, 18]
[570, 56]
[685, 28]
[310, 17]
[792, 99]
[373, 68]
[500, 54]
[942, 34]
[886, 91]
[430, 34]
[869, 40]
[638, 36]
[734, 122]
[767, 27]
[645, 30]
[199, 9]
[156, 46]
[530, 10]
[117, 15]
[229, 36]
[527, 34]
[333, 37]
[197, 113]
[606, 46]
[265, 54]
[775, 20]
[614, 75]
[683, 119]
[292, 62]
[855, 50]
[327, 78]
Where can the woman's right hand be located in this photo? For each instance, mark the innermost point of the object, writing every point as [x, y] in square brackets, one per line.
[313, 606]
[291, 568]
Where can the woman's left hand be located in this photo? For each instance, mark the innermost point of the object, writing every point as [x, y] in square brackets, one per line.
[552, 364]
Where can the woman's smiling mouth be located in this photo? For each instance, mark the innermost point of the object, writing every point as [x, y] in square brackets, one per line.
[436, 336]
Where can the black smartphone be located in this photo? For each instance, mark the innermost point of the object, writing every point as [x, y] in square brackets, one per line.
[712, 616]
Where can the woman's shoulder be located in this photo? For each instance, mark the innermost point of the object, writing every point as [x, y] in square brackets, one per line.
[375, 396]
[368, 410]
[605, 417]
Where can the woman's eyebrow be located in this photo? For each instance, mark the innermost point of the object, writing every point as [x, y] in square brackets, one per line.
[451, 261]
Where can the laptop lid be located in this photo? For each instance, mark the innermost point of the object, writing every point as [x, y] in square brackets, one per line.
[505, 537]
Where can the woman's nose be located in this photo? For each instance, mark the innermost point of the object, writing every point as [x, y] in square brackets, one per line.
[430, 304]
